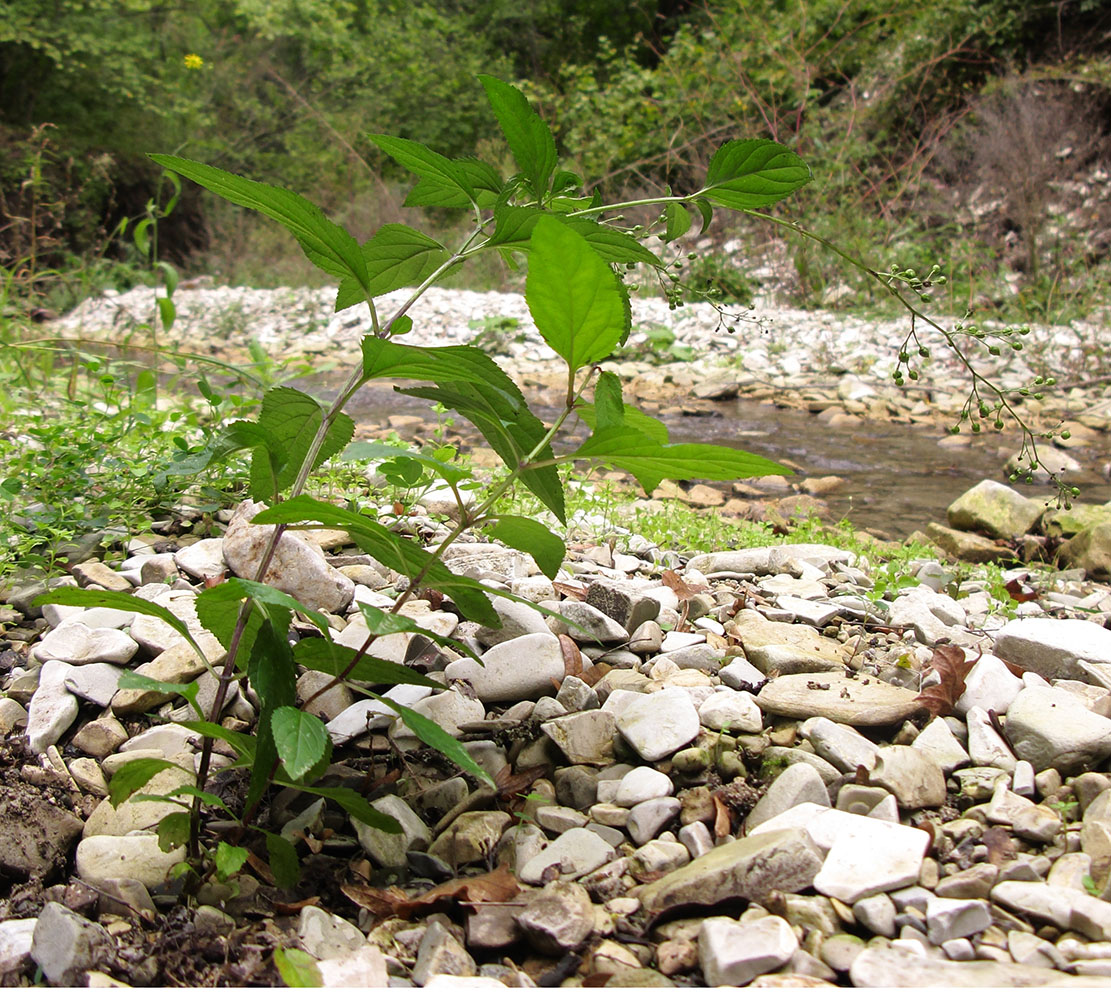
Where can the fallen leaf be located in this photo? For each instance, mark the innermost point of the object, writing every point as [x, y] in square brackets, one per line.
[952, 665]
[510, 784]
[683, 590]
[1014, 668]
[497, 886]
[576, 590]
[1019, 591]
[596, 980]
[288, 909]
[723, 818]
[261, 867]
[572, 658]
[1001, 848]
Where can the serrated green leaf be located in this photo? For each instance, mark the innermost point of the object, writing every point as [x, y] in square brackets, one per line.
[353, 804]
[396, 257]
[318, 653]
[75, 597]
[297, 969]
[173, 831]
[425, 163]
[530, 140]
[273, 676]
[651, 462]
[678, 221]
[284, 865]
[751, 173]
[532, 537]
[429, 192]
[631, 417]
[300, 739]
[281, 438]
[218, 607]
[229, 860]
[574, 297]
[429, 733]
[609, 408]
[134, 775]
[327, 245]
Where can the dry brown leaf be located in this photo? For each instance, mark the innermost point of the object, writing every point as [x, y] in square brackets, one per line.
[596, 980]
[723, 818]
[593, 674]
[1014, 668]
[572, 658]
[288, 909]
[1019, 592]
[953, 666]
[510, 784]
[576, 590]
[261, 867]
[1001, 848]
[683, 590]
[497, 886]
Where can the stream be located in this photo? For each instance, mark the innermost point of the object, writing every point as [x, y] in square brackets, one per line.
[896, 477]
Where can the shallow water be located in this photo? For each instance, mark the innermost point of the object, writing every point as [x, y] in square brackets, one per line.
[896, 477]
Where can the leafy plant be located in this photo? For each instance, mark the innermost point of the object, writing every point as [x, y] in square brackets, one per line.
[578, 251]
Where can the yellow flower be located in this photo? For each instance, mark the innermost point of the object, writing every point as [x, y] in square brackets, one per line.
[193, 61]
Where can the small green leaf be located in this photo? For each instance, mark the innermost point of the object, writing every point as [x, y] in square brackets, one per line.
[751, 173]
[425, 162]
[706, 210]
[300, 739]
[284, 865]
[352, 803]
[630, 417]
[678, 221]
[364, 451]
[218, 607]
[166, 311]
[134, 775]
[574, 297]
[76, 597]
[192, 791]
[243, 743]
[140, 682]
[432, 735]
[173, 831]
[384, 623]
[530, 140]
[297, 969]
[609, 408]
[532, 537]
[651, 462]
[229, 860]
[318, 653]
[430, 192]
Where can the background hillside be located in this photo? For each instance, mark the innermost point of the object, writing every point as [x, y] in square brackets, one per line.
[965, 132]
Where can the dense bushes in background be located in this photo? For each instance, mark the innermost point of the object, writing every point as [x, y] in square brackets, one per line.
[892, 100]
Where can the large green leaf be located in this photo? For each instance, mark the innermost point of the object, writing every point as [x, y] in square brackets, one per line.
[300, 739]
[532, 537]
[75, 597]
[509, 428]
[134, 775]
[398, 553]
[326, 244]
[530, 140]
[609, 410]
[651, 462]
[297, 968]
[432, 735]
[396, 257]
[245, 744]
[363, 451]
[273, 677]
[426, 163]
[281, 437]
[678, 222]
[573, 295]
[219, 605]
[284, 865]
[751, 173]
[386, 623]
[318, 653]
[430, 192]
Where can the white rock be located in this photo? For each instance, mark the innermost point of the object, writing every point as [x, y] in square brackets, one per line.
[95, 682]
[641, 784]
[956, 918]
[574, 853]
[1054, 648]
[53, 709]
[646, 819]
[938, 743]
[659, 723]
[358, 969]
[590, 624]
[990, 686]
[298, 567]
[517, 619]
[738, 673]
[448, 710]
[524, 668]
[75, 643]
[1050, 728]
[202, 560]
[65, 945]
[798, 783]
[841, 745]
[15, 943]
[732, 953]
[583, 737]
[324, 935]
[389, 849]
[985, 746]
[674, 641]
[731, 710]
[155, 636]
[136, 856]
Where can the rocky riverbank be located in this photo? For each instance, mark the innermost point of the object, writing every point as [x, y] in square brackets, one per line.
[735, 767]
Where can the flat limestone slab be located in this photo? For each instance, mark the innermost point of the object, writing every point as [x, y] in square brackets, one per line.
[853, 701]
